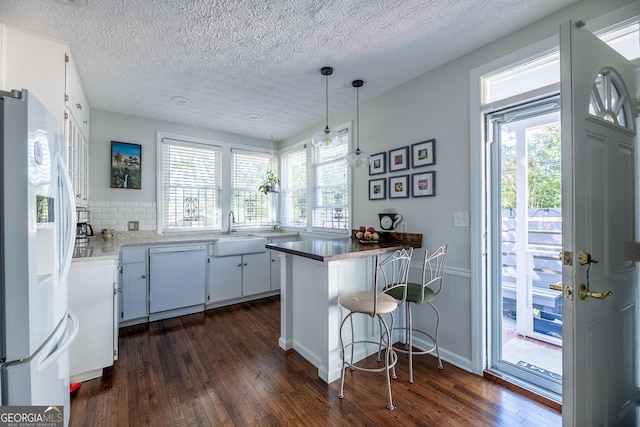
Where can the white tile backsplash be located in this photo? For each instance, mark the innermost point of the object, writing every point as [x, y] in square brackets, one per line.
[116, 215]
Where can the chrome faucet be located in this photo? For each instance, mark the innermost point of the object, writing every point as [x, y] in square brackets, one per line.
[232, 219]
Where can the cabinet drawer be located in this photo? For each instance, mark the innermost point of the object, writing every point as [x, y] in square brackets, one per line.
[129, 255]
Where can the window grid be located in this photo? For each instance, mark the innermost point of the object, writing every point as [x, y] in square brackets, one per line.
[190, 186]
[250, 206]
[294, 188]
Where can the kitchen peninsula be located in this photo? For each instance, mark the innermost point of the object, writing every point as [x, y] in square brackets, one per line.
[314, 273]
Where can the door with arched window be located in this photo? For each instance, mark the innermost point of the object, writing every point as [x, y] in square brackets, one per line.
[600, 309]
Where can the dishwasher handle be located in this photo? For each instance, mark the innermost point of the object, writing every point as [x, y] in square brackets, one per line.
[176, 249]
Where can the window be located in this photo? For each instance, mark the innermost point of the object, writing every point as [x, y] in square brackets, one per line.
[250, 206]
[331, 176]
[294, 188]
[608, 102]
[189, 186]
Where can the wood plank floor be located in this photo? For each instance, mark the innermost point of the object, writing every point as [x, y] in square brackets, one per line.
[223, 367]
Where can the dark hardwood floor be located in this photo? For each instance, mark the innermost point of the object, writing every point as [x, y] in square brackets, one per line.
[224, 367]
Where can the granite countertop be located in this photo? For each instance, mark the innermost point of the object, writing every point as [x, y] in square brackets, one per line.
[97, 249]
[347, 248]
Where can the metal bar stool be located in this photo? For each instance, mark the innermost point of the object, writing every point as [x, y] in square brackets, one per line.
[391, 272]
[419, 293]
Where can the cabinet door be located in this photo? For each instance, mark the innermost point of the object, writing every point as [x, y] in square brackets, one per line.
[275, 270]
[91, 299]
[134, 291]
[36, 63]
[256, 276]
[224, 280]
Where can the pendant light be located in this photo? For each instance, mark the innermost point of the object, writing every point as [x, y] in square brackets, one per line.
[357, 158]
[326, 137]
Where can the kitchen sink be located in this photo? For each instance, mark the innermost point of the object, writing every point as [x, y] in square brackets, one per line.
[238, 245]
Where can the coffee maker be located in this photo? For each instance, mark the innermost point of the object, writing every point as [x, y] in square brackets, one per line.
[83, 228]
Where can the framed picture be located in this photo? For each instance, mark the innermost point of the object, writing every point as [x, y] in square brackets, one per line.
[423, 184]
[423, 153]
[398, 159]
[378, 163]
[126, 161]
[399, 187]
[377, 189]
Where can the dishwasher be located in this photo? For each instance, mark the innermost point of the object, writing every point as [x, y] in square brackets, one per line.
[176, 280]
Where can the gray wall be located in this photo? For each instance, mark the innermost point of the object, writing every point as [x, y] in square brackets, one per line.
[434, 105]
[107, 126]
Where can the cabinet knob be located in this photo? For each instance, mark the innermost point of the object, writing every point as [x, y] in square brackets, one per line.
[143, 276]
[240, 265]
[79, 106]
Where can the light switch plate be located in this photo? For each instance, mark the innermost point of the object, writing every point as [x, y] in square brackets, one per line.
[134, 225]
[461, 219]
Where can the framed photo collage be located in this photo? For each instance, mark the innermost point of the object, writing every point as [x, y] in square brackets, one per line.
[419, 184]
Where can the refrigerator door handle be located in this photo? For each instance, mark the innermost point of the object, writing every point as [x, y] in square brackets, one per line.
[71, 207]
[64, 346]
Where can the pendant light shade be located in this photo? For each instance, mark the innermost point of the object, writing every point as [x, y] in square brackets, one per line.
[358, 158]
[326, 137]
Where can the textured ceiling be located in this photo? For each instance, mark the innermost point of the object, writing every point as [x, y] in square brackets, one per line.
[233, 58]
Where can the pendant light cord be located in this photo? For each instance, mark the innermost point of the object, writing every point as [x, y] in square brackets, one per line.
[326, 99]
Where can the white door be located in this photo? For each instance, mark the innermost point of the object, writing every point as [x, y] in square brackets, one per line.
[598, 95]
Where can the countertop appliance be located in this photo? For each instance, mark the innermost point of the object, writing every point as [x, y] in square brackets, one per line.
[36, 245]
[84, 230]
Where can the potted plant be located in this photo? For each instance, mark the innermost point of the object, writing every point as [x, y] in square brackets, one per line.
[270, 183]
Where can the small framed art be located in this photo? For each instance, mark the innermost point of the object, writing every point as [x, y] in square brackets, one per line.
[378, 163]
[126, 161]
[399, 159]
[423, 184]
[377, 189]
[399, 187]
[423, 153]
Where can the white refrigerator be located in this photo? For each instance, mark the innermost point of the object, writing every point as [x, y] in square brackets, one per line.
[37, 231]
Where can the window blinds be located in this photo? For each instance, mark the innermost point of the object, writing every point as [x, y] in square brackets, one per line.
[190, 186]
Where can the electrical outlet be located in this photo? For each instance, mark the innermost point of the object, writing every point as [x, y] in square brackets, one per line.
[134, 225]
[461, 219]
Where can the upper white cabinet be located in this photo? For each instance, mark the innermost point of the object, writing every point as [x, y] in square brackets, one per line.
[44, 66]
[75, 99]
[35, 63]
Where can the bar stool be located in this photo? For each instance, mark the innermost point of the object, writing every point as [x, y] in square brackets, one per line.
[391, 272]
[419, 293]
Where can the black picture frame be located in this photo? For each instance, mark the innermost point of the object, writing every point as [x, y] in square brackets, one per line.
[399, 159]
[399, 187]
[423, 153]
[423, 184]
[126, 165]
[377, 189]
[378, 163]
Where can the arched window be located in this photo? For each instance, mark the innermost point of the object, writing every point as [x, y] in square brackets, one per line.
[610, 100]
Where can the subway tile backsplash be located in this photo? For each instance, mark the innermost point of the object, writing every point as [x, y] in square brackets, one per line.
[116, 215]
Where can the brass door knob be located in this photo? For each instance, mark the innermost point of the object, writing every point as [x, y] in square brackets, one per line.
[583, 293]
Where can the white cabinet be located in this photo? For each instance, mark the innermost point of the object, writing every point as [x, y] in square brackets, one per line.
[76, 123]
[237, 276]
[275, 269]
[92, 298]
[77, 160]
[224, 278]
[44, 66]
[275, 260]
[35, 63]
[256, 277]
[134, 304]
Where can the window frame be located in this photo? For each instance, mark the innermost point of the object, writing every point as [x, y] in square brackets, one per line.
[161, 227]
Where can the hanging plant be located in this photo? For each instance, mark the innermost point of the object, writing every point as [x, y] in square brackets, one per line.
[270, 183]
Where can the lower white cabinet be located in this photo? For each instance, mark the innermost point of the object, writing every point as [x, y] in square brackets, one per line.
[236, 276]
[134, 293]
[92, 297]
